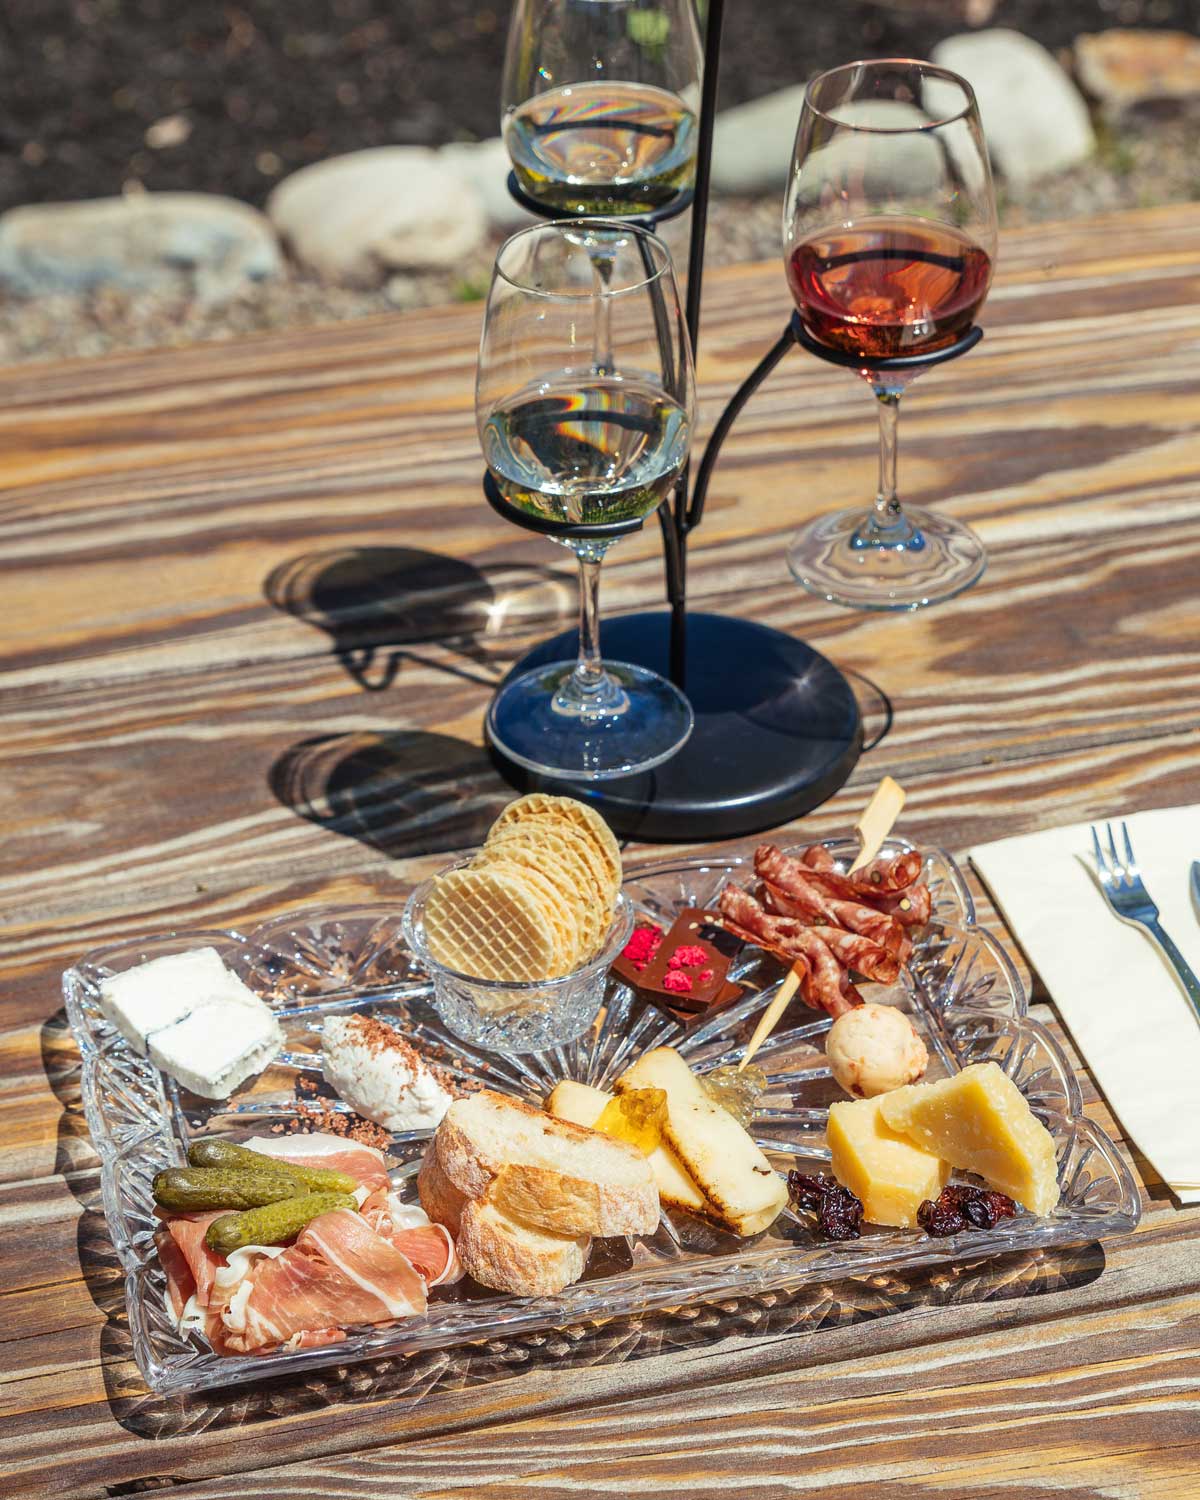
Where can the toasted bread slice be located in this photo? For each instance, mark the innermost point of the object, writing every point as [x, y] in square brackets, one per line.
[562, 1174]
[440, 1199]
[733, 1174]
[507, 1255]
[583, 1105]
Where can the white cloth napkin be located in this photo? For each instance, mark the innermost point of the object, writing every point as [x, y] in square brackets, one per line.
[1118, 996]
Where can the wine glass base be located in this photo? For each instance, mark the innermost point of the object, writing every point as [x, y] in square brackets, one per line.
[925, 559]
[533, 722]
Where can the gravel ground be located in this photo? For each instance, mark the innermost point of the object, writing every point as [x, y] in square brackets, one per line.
[1151, 159]
[256, 88]
[101, 95]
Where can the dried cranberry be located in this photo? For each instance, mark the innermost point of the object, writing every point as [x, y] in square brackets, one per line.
[839, 1212]
[959, 1207]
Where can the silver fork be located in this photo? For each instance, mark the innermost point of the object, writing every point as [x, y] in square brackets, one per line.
[1128, 899]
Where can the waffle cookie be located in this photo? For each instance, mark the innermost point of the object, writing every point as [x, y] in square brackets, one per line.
[536, 902]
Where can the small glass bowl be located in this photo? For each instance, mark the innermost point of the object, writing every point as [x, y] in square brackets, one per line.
[516, 1017]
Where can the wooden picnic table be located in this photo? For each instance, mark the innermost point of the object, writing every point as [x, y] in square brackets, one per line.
[253, 606]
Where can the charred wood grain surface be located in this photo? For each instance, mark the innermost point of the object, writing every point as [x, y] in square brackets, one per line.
[253, 606]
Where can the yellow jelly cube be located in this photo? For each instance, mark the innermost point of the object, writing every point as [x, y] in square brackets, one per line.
[891, 1175]
[980, 1122]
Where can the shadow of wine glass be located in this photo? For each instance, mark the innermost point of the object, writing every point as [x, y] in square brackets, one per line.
[406, 793]
[378, 603]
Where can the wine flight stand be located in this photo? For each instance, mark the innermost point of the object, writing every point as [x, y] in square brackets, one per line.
[777, 726]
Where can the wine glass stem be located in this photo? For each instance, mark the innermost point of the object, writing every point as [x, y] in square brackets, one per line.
[887, 504]
[590, 690]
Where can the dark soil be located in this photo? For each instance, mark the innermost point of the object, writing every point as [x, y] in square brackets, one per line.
[266, 86]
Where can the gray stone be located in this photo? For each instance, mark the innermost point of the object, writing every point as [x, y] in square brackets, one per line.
[485, 166]
[355, 218]
[144, 240]
[752, 143]
[1033, 116]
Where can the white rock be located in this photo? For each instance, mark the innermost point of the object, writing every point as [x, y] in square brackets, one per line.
[354, 218]
[1033, 116]
[485, 165]
[140, 241]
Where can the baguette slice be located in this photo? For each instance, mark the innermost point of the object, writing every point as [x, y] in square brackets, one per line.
[580, 1181]
[732, 1173]
[583, 1105]
[440, 1199]
[510, 1256]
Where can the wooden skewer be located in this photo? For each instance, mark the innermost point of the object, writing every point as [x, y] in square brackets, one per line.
[874, 824]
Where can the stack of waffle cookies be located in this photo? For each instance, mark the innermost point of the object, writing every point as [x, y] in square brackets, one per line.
[536, 902]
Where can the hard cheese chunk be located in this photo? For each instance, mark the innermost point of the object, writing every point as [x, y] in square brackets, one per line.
[891, 1175]
[740, 1186]
[979, 1122]
[583, 1105]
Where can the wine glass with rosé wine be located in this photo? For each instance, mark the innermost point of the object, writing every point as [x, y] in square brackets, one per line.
[889, 229]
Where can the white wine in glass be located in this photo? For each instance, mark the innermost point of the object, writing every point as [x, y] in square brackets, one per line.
[585, 454]
[599, 103]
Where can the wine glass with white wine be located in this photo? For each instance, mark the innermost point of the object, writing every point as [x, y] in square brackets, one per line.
[584, 454]
[600, 100]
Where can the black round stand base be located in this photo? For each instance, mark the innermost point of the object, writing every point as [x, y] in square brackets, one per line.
[777, 731]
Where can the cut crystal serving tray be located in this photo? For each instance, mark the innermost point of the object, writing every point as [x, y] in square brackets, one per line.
[962, 993]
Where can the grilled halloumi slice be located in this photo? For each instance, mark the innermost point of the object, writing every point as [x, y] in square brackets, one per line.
[583, 1105]
[739, 1184]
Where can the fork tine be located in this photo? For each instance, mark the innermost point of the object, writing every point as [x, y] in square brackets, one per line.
[1128, 848]
[1112, 846]
[1101, 867]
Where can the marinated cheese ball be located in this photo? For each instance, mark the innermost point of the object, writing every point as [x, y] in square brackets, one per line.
[874, 1049]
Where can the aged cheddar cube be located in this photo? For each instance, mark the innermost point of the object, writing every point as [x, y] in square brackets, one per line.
[979, 1122]
[887, 1171]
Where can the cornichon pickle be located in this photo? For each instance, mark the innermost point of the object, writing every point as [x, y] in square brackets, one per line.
[225, 1154]
[274, 1224]
[186, 1189]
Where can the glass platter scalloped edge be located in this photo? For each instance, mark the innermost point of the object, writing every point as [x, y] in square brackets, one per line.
[964, 990]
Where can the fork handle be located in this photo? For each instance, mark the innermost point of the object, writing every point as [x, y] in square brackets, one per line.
[1180, 964]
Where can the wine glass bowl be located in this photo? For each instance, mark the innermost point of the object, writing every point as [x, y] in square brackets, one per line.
[889, 244]
[584, 405]
[600, 100]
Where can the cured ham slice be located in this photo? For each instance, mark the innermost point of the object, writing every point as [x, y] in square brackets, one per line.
[853, 951]
[339, 1271]
[181, 1284]
[187, 1231]
[366, 1165]
[429, 1246]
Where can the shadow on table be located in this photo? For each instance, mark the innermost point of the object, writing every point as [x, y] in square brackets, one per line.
[406, 793]
[379, 603]
[411, 1378]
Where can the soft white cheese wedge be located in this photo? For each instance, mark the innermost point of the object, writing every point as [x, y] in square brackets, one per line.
[217, 1047]
[147, 998]
[380, 1075]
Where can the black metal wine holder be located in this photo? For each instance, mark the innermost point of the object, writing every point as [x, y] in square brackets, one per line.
[778, 728]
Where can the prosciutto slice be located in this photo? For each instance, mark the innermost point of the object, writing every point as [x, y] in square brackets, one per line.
[187, 1232]
[366, 1165]
[339, 1271]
